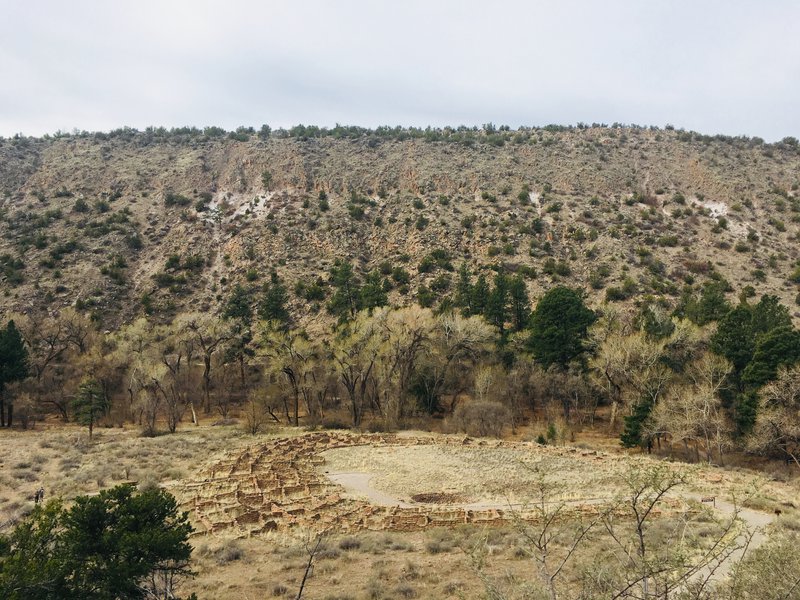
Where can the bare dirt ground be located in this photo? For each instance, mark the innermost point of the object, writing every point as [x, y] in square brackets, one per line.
[481, 474]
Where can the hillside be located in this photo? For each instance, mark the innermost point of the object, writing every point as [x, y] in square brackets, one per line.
[128, 222]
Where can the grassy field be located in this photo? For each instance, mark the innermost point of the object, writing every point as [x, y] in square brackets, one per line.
[431, 563]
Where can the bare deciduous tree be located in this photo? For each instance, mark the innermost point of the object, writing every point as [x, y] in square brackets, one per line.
[777, 428]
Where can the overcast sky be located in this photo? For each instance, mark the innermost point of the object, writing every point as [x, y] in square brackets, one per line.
[728, 67]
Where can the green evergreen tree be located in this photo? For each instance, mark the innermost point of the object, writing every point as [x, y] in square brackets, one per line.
[373, 293]
[558, 327]
[769, 314]
[633, 433]
[497, 303]
[520, 303]
[13, 367]
[425, 296]
[710, 306]
[779, 347]
[740, 334]
[655, 323]
[463, 297]
[346, 300]
[118, 545]
[479, 296]
[745, 411]
[273, 304]
[238, 305]
[734, 337]
[89, 404]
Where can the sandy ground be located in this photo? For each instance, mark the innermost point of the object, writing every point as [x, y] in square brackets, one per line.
[477, 475]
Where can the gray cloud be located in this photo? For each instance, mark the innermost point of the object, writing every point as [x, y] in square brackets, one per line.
[718, 67]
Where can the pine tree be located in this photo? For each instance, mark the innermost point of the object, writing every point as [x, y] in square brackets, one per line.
[121, 543]
[89, 404]
[479, 296]
[464, 290]
[238, 305]
[558, 327]
[710, 306]
[273, 305]
[13, 366]
[497, 303]
[346, 300]
[373, 294]
[633, 434]
[520, 303]
[779, 347]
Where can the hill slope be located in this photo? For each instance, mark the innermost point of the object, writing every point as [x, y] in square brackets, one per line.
[94, 219]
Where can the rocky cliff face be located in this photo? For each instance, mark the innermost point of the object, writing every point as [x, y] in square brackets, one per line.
[119, 224]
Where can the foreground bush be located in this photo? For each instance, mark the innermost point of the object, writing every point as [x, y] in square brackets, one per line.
[120, 544]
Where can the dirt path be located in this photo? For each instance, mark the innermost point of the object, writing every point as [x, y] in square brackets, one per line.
[756, 522]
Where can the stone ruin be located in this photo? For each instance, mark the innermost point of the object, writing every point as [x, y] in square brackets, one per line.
[276, 486]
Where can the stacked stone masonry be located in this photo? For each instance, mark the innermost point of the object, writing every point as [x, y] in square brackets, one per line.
[278, 485]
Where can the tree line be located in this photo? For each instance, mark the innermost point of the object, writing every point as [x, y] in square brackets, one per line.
[705, 377]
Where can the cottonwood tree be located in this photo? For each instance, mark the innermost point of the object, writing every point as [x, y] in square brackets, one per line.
[405, 337]
[458, 344]
[179, 383]
[354, 353]
[47, 337]
[210, 336]
[777, 428]
[48, 344]
[565, 391]
[290, 358]
[485, 378]
[692, 413]
[132, 352]
[629, 366]
[519, 391]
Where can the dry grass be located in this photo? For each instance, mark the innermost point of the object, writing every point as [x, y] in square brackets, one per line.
[435, 563]
[63, 461]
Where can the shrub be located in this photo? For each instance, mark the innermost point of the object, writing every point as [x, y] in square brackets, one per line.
[173, 199]
[400, 275]
[481, 418]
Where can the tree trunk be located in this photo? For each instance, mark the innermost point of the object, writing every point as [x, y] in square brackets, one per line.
[207, 382]
[613, 419]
